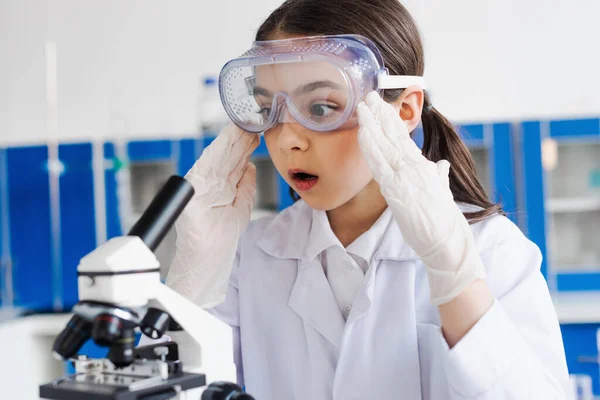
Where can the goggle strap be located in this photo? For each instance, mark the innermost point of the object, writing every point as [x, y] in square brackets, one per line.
[385, 81]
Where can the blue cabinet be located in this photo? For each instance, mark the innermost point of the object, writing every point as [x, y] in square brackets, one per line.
[77, 218]
[561, 176]
[581, 351]
[30, 231]
[492, 148]
[44, 262]
[111, 196]
[6, 286]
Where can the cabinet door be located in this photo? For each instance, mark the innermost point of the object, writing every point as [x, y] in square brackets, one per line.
[6, 269]
[30, 232]
[581, 351]
[562, 175]
[77, 218]
[491, 146]
[478, 138]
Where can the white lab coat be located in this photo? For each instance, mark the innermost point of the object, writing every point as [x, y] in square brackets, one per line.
[292, 342]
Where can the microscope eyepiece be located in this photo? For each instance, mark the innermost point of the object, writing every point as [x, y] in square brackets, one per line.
[165, 207]
[70, 340]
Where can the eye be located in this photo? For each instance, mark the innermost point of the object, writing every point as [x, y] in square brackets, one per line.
[264, 112]
[322, 110]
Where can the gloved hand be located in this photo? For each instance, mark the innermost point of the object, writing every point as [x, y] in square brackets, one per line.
[209, 227]
[418, 193]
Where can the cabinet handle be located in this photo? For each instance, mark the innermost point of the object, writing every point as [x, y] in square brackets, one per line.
[588, 359]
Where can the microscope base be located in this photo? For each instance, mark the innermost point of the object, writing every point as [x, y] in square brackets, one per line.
[155, 374]
[78, 387]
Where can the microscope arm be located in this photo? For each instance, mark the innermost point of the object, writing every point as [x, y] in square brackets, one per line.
[200, 328]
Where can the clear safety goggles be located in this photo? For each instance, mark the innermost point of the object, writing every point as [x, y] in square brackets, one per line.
[316, 81]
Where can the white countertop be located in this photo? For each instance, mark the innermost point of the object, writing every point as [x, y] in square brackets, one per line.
[37, 324]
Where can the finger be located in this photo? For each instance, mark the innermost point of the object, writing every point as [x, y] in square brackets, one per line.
[241, 148]
[225, 186]
[218, 148]
[244, 148]
[237, 171]
[246, 190]
[370, 149]
[252, 118]
[391, 151]
[388, 116]
[219, 169]
[222, 155]
[443, 170]
[394, 129]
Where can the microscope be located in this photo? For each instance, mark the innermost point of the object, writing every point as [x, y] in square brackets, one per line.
[120, 292]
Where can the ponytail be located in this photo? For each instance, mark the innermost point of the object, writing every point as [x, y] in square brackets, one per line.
[441, 141]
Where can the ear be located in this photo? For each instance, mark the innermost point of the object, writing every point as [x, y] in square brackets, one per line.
[410, 106]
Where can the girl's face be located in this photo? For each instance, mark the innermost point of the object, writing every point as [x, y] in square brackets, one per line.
[337, 168]
[326, 169]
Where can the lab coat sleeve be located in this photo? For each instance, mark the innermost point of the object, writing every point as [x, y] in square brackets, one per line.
[515, 351]
[228, 312]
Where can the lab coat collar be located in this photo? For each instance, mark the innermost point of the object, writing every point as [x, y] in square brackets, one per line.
[288, 236]
[369, 242]
[312, 299]
[320, 236]
[393, 246]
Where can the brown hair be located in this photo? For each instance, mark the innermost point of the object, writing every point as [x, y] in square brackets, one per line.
[389, 25]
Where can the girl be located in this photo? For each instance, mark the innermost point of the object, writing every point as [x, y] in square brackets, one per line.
[392, 275]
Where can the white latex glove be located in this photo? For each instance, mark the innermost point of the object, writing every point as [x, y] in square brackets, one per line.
[209, 227]
[418, 193]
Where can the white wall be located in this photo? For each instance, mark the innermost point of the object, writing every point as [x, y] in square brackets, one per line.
[123, 65]
[132, 66]
[509, 59]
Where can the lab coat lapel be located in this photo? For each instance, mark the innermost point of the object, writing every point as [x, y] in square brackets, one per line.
[364, 297]
[404, 307]
[393, 247]
[384, 325]
[385, 338]
[312, 299]
[397, 263]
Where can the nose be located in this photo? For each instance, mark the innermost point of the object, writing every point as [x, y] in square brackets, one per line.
[292, 137]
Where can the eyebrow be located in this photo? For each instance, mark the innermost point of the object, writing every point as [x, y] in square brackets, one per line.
[309, 87]
[258, 91]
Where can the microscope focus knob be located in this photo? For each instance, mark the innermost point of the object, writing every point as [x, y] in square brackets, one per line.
[155, 323]
[225, 391]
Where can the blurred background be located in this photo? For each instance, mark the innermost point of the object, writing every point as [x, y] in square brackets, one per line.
[101, 101]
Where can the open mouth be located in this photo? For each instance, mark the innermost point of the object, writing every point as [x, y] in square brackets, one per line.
[303, 180]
